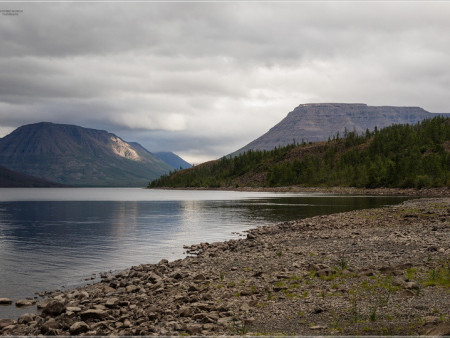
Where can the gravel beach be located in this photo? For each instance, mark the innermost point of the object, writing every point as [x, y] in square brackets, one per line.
[382, 271]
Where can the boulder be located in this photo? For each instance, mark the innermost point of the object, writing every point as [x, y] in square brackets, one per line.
[25, 302]
[50, 327]
[5, 301]
[26, 318]
[112, 302]
[78, 327]
[54, 308]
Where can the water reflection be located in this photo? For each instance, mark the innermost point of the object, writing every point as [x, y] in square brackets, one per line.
[45, 244]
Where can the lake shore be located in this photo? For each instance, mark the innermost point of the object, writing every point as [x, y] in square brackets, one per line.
[380, 271]
[425, 192]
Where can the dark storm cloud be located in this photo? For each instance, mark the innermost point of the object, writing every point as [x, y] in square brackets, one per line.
[203, 79]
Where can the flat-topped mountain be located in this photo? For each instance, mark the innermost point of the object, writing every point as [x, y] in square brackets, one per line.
[80, 156]
[319, 121]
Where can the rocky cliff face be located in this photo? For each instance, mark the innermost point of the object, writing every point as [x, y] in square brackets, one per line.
[318, 121]
[74, 155]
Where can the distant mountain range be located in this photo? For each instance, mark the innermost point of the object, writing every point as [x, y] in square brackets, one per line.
[78, 156]
[173, 160]
[319, 121]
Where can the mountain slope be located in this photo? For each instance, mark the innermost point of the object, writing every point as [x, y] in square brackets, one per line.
[396, 156]
[13, 179]
[173, 160]
[74, 155]
[319, 121]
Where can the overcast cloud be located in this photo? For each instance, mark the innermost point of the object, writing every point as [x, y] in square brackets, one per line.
[204, 79]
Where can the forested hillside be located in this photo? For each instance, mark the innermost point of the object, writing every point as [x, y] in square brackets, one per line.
[397, 156]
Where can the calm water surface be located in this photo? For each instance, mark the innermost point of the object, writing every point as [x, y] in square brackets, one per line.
[54, 238]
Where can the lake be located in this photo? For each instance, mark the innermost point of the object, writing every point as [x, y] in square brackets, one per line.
[55, 238]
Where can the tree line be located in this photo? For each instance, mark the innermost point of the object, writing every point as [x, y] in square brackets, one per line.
[401, 156]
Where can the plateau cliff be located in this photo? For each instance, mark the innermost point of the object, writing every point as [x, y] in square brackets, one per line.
[319, 121]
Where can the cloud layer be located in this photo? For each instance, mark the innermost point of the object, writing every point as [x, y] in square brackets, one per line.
[204, 79]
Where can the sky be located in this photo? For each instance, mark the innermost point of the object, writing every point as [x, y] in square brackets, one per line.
[203, 79]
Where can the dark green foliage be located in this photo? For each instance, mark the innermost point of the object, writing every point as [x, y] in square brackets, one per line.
[397, 156]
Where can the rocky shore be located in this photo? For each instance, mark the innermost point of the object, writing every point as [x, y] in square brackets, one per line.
[381, 271]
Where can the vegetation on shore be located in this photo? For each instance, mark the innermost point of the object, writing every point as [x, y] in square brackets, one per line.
[399, 156]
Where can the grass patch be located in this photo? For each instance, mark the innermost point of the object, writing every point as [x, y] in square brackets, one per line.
[439, 276]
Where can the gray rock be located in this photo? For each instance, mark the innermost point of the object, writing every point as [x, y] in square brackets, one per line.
[50, 327]
[132, 288]
[7, 329]
[412, 286]
[112, 303]
[225, 321]
[440, 330]
[186, 311]
[83, 294]
[78, 327]
[26, 318]
[193, 329]
[6, 322]
[54, 308]
[25, 302]
[313, 267]
[73, 309]
[154, 278]
[199, 277]
[318, 327]
[192, 288]
[94, 314]
[43, 303]
[325, 272]
[251, 236]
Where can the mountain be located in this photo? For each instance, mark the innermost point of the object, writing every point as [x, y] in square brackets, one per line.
[167, 157]
[78, 156]
[400, 156]
[318, 121]
[13, 179]
[173, 160]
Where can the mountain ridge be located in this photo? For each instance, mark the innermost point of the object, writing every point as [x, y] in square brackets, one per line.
[314, 122]
[74, 155]
[172, 159]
